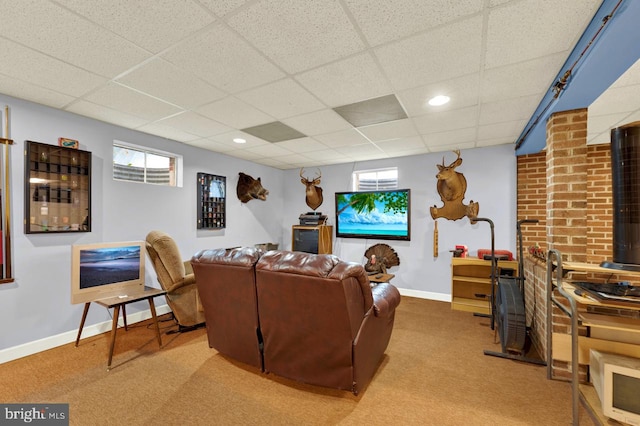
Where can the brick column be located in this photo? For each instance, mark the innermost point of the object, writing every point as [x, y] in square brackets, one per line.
[567, 184]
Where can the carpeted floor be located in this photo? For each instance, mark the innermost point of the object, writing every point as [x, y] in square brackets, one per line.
[434, 373]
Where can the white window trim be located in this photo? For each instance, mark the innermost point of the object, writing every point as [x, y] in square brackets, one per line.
[178, 158]
[355, 173]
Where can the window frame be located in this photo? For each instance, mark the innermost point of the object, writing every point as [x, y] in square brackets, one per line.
[355, 178]
[177, 159]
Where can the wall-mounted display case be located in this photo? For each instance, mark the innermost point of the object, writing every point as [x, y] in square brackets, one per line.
[57, 189]
[212, 212]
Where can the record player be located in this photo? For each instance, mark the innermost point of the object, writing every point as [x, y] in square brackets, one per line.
[312, 218]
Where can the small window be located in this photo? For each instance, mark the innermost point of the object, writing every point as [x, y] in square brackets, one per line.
[138, 164]
[373, 180]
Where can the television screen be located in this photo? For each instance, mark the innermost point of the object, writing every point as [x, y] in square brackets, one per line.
[102, 270]
[374, 214]
[107, 265]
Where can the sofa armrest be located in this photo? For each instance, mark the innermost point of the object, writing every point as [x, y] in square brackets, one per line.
[386, 298]
[187, 280]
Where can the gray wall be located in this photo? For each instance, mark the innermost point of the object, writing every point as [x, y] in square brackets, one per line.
[37, 305]
[491, 181]
[37, 308]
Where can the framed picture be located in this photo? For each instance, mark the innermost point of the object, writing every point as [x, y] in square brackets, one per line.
[68, 143]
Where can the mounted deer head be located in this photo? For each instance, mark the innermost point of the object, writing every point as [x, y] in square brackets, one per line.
[313, 192]
[451, 184]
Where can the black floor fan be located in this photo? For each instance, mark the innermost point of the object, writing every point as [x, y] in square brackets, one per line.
[508, 306]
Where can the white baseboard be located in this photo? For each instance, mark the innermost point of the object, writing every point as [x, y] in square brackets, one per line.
[36, 346]
[441, 297]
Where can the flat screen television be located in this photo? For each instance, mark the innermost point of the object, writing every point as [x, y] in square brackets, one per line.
[102, 270]
[384, 214]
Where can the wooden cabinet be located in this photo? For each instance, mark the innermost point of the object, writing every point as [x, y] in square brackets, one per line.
[471, 283]
[57, 189]
[312, 239]
[212, 212]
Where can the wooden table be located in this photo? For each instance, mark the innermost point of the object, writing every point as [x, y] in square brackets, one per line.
[380, 278]
[118, 302]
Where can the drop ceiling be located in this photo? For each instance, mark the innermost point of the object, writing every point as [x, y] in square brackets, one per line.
[198, 72]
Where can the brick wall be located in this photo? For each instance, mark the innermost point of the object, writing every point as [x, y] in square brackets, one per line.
[577, 213]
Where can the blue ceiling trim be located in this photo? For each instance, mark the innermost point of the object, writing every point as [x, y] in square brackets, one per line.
[616, 48]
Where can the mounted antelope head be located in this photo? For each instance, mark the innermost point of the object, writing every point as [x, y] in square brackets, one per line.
[313, 192]
[451, 184]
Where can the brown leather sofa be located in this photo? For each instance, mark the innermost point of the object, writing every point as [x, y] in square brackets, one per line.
[226, 282]
[319, 320]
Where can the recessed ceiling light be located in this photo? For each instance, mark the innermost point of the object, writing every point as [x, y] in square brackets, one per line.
[439, 100]
[239, 140]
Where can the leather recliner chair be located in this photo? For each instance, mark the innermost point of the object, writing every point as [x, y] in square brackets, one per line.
[227, 286]
[322, 323]
[177, 278]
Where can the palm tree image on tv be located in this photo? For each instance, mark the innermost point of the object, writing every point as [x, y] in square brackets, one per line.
[109, 265]
[382, 213]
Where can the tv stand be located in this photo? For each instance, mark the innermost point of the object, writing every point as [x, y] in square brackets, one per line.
[121, 301]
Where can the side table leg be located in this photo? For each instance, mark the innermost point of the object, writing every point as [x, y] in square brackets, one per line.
[84, 317]
[114, 327]
[152, 307]
[124, 317]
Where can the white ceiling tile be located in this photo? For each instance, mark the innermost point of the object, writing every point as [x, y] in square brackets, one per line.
[223, 7]
[458, 139]
[389, 130]
[525, 30]
[463, 92]
[318, 122]
[41, 70]
[163, 130]
[441, 54]
[292, 159]
[223, 59]
[234, 113]
[347, 81]
[362, 152]
[385, 20]
[284, 98]
[245, 154]
[272, 162]
[212, 145]
[302, 145]
[523, 79]
[512, 109]
[401, 145]
[165, 81]
[196, 124]
[327, 155]
[108, 115]
[33, 93]
[126, 100]
[446, 120]
[509, 130]
[62, 34]
[348, 137]
[270, 150]
[251, 141]
[151, 24]
[495, 141]
[296, 36]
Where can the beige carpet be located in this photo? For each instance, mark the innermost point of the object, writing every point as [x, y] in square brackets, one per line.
[434, 373]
